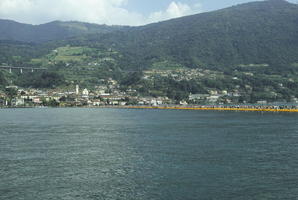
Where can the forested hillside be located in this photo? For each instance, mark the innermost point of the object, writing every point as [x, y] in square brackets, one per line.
[260, 32]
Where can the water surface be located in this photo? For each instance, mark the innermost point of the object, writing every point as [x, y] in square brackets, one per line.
[113, 154]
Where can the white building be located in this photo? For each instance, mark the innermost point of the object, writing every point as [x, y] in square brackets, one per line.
[77, 89]
[85, 93]
[18, 102]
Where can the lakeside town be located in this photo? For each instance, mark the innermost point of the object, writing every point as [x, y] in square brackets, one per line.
[94, 82]
[109, 94]
[79, 97]
[157, 87]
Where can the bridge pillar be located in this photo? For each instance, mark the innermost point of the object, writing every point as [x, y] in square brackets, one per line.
[32, 70]
[10, 71]
[21, 70]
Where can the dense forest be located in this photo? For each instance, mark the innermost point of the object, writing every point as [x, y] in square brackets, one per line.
[259, 32]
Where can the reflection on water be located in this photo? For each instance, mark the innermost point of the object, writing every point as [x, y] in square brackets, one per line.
[147, 154]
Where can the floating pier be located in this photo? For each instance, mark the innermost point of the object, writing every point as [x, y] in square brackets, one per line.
[214, 108]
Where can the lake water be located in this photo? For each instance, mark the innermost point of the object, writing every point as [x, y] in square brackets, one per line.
[115, 154]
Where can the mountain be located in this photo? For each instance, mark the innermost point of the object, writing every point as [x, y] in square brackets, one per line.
[257, 32]
[57, 30]
[251, 33]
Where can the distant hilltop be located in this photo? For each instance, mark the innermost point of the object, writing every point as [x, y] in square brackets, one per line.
[56, 30]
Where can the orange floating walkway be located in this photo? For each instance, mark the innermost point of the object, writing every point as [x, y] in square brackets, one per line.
[215, 109]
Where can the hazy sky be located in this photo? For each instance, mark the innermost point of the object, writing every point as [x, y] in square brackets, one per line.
[112, 12]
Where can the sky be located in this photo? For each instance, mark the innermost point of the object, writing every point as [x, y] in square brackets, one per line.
[110, 12]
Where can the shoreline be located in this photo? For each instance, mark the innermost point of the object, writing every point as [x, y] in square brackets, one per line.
[242, 108]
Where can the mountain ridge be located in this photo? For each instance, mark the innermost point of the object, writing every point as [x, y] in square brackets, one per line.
[255, 32]
[51, 31]
[235, 35]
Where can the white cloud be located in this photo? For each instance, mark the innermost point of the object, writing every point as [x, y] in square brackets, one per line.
[173, 11]
[94, 11]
